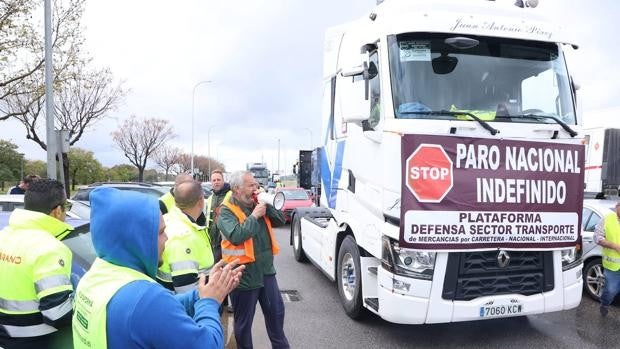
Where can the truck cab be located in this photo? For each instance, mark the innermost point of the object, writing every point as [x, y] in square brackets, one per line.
[451, 152]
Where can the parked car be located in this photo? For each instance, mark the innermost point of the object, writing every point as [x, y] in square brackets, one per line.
[10, 202]
[83, 194]
[593, 212]
[78, 210]
[293, 198]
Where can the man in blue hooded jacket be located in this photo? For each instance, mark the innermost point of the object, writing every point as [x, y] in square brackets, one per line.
[118, 303]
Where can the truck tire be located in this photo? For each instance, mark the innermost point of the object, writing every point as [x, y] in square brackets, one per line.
[349, 278]
[298, 250]
[593, 278]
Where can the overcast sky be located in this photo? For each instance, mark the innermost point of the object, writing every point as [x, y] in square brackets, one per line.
[264, 60]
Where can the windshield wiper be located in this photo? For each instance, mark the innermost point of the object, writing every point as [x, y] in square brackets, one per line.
[566, 128]
[483, 123]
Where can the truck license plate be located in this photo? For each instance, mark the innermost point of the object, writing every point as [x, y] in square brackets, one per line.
[494, 310]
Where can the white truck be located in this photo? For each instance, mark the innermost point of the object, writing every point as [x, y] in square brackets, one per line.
[260, 172]
[452, 165]
[602, 139]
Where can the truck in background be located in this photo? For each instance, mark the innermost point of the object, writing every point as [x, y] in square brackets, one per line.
[260, 172]
[450, 158]
[602, 140]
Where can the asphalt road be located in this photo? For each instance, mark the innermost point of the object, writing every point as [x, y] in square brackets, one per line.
[318, 321]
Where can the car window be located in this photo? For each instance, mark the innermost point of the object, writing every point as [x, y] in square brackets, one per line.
[80, 243]
[148, 191]
[295, 194]
[585, 217]
[592, 222]
[82, 195]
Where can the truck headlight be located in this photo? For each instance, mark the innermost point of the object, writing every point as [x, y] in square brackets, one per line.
[407, 262]
[570, 257]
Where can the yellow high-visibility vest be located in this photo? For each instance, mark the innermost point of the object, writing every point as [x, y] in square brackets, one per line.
[611, 258]
[93, 294]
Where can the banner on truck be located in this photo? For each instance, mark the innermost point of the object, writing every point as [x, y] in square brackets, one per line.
[463, 193]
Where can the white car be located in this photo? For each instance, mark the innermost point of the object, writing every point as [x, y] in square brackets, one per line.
[10, 202]
[593, 212]
[78, 210]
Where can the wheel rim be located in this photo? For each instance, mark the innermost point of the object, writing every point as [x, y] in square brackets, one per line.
[595, 279]
[347, 277]
[296, 237]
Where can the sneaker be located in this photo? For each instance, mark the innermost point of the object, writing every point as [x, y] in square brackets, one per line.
[604, 310]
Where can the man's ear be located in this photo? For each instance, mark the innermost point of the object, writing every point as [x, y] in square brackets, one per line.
[57, 212]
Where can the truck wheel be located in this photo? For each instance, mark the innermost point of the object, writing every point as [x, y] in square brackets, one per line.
[349, 278]
[298, 251]
[593, 278]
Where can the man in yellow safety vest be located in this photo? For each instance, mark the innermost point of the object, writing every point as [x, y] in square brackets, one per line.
[607, 234]
[36, 294]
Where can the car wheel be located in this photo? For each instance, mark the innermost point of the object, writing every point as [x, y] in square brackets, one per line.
[594, 278]
[298, 250]
[349, 278]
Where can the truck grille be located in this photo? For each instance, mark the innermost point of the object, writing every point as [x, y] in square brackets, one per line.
[470, 275]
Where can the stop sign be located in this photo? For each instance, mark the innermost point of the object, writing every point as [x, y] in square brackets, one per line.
[429, 173]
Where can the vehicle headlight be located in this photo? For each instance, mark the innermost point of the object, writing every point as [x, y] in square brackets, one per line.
[570, 256]
[407, 262]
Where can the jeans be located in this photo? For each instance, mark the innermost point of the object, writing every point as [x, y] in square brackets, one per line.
[612, 287]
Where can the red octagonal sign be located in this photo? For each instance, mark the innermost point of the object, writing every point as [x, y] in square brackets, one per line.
[429, 173]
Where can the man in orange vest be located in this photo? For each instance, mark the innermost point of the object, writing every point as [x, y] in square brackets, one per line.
[247, 235]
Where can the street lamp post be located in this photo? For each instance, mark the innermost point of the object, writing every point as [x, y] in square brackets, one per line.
[209, 148]
[193, 108]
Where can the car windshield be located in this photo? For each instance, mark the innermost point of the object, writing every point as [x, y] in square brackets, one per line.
[295, 194]
[80, 243]
[493, 79]
[260, 173]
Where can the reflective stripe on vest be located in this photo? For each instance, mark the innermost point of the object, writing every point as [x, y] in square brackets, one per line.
[93, 294]
[611, 258]
[58, 311]
[30, 306]
[245, 252]
[51, 282]
[28, 331]
[183, 265]
[163, 276]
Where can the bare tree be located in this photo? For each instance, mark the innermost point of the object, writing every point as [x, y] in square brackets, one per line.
[140, 139]
[21, 49]
[184, 163]
[167, 158]
[81, 100]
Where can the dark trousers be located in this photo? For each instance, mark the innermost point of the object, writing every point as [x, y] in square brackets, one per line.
[272, 306]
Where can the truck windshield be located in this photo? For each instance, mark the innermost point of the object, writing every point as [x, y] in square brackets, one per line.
[495, 79]
[260, 173]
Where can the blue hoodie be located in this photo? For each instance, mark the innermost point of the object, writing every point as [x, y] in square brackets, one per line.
[142, 314]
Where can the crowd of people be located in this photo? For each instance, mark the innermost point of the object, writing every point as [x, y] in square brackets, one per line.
[163, 273]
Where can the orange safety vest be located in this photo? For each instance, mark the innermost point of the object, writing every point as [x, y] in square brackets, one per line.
[245, 252]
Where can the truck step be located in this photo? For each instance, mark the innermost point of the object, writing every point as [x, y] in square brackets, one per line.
[372, 302]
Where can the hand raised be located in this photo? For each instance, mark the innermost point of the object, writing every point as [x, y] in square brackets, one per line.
[259, 210]
[223, 278]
